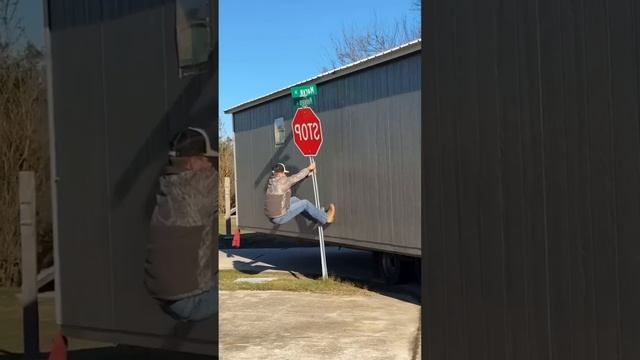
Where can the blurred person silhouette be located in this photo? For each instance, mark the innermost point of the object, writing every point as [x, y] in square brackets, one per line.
[179, 267]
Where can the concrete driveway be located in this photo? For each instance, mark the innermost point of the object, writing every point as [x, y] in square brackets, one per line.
[286, 325]
[295, 325]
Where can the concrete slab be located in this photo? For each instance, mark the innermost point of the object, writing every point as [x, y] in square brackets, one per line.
[253, 280]
[286, 325]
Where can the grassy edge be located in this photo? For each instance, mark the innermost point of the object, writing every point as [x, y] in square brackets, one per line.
[288, 282]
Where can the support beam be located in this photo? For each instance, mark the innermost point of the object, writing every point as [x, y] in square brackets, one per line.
[227, 204]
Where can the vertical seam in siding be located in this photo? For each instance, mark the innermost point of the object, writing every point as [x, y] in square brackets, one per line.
[164, 63]
[544, 182]
[389, 160]
[107, 173]
[607, 15]
[53, 163]
[565, 137]
[437, 121]
[594, 311]
[523, 198]
[501, 215]
[634, 14]
[477, 173]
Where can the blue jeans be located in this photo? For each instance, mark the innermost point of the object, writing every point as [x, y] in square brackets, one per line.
[296, 207]
[194, 308]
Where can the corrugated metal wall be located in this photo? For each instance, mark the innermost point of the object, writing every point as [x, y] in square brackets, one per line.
[532, 174]
[117, 100]
[369, 164]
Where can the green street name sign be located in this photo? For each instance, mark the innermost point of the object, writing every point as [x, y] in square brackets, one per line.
[304, 91]
[304, 102]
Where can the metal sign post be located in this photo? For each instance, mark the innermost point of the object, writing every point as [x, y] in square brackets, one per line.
[323, 257]
[307, 135]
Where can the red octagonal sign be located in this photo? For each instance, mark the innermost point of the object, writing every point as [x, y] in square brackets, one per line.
[307, 131]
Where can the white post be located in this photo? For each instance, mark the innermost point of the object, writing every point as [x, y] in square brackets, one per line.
[227, 205]
[27, 187]
[323, 258]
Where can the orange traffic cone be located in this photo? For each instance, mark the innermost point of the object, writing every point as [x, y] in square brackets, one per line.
[236, 239]
[59, 348]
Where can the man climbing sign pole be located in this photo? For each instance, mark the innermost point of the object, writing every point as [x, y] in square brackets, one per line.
[307, 135]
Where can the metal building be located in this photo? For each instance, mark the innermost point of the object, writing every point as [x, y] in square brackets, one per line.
[532, 180]
[124, 77]
[369, 163]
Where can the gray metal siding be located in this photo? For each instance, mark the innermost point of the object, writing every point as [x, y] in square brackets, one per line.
[369, 164]
[84, 123]
[532, 218]
[117, 102]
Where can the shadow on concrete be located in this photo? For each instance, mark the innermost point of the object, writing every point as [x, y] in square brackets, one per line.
[264, 241]
[355, 266]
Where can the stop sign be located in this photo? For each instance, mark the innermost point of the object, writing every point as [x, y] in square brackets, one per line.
[307, 131]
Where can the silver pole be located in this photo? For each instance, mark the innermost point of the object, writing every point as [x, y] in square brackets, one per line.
[323, 258]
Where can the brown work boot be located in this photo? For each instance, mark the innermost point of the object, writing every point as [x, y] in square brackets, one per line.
[331, 213]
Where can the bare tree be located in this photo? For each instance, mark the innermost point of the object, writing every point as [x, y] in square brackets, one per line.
[11, 28]
[355, 43]
[23, 138]
[416, 5]
[225, 166]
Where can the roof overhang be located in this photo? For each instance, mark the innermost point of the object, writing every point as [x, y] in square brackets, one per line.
[402, 50]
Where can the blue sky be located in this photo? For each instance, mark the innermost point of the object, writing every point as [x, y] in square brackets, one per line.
[267, 45]
[30, 11]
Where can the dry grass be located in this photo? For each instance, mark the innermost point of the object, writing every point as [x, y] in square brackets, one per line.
[288, 282]
[11, 324]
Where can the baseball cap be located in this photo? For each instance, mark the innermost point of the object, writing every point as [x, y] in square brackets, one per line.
[191, 142]
[279, 167]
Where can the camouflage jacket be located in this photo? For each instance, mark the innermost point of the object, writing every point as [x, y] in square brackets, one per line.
[180, 253]
[278, 196]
